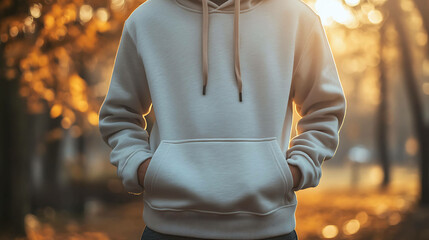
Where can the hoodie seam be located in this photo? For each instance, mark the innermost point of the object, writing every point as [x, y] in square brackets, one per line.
[132, 40]
[217, 10]
[307, 41]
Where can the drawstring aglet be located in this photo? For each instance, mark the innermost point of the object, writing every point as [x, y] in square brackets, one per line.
[240, 96]
[204, 89]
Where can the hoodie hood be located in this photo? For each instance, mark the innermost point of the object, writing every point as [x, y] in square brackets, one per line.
[230, 6]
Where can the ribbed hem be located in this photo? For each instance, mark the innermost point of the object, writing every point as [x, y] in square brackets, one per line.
[220, 226]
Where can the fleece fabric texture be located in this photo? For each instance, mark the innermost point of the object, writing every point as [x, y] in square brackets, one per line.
[219, 167]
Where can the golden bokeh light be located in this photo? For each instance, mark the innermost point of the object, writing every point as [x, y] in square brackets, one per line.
[49, 95]
[56, 110]
[28, 21]
[4, 37]
[394, 218]
[66, 123]
[351, 227]
[411, 146]
[406, 5]
[85, 13]
[330, 231]
[102, 14]
[381, 209]
[93, 118]
[117, 5]
[49, 20]
[69, 13]
[13, 31]
[362, 217]
[36, 10]
[375, 16]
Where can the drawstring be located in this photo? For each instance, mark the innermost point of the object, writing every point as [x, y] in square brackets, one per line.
[205, 42]
[236, 46]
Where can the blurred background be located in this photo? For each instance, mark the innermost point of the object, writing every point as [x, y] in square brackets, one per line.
[56, 181]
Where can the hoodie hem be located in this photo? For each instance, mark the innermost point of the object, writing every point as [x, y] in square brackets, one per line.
[237, 225]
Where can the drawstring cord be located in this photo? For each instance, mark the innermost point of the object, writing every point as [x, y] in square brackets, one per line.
[236, 46]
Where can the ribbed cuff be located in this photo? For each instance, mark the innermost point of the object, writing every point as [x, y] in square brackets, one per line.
[310, 173]
[129, 172]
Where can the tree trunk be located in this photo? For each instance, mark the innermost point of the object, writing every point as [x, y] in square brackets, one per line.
[382, 139]
[14, 170]
[423, 8]
[416, 104]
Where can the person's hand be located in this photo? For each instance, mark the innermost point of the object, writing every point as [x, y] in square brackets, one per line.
[296, 174]
[141, 171]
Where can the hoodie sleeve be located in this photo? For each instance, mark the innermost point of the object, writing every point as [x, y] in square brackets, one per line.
[120, 117]
[320, 101]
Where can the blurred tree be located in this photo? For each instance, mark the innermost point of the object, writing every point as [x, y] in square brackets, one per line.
[382, 116]
[51, 85]
[416, 104]
[14, 172]
[423, 8]
[422, 126]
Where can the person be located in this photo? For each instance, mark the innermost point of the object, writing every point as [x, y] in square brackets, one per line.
[222, 80]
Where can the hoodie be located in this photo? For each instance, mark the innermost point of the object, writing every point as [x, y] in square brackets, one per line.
[222, 81]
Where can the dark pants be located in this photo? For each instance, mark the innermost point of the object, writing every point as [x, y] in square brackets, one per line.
[149, 234]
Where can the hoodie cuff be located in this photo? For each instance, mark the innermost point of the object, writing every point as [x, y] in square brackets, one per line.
[129, 173]
[310, 174]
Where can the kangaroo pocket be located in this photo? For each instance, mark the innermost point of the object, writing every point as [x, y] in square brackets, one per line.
[219, 175]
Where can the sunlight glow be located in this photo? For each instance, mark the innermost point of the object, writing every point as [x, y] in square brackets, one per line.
[333, 10]
[352, 3]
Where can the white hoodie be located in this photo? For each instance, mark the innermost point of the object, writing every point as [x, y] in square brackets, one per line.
[221, 81]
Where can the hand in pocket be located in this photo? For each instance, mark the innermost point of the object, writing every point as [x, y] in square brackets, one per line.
[141, 171]
[296, 174]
